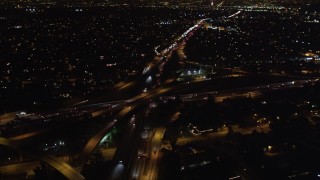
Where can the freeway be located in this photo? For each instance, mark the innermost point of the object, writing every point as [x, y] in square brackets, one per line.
[145, 166]
[131, 104]
[93, 142]
[253, 91]
[222, 133]
[91, 145]
[5, 118]
[19, 168]
[122, 153]
[121, 163]
[137, 101]
[122, 156]
[93, 109]
[142, 98]
[54, 162]
[120, 86]
[217, 67]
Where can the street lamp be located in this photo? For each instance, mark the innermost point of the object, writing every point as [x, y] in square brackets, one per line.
[149, 80]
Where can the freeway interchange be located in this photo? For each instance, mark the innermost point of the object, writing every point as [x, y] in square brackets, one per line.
[126, 165]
